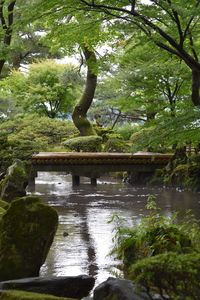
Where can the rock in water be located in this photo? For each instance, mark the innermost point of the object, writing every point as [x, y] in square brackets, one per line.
[14, 183]
[119, 289]
[27, 230]
[65, 286]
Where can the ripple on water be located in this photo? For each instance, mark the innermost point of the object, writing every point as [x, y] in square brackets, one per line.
[84, 213]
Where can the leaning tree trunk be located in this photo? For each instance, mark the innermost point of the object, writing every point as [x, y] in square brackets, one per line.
[79, 115]
[196, 87]
[6, 21]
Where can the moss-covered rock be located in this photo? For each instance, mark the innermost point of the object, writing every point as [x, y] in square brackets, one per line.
[91, 143]
[21, 295]
[15, 181]
[27, 230]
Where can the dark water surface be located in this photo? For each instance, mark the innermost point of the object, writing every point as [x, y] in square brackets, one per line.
[84, 236]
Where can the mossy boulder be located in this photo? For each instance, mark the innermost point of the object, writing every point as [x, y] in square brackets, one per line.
[27, 230]
[92, 143]
[15, 181]
[21, 295]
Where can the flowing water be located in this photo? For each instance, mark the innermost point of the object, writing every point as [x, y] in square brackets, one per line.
[85, 236]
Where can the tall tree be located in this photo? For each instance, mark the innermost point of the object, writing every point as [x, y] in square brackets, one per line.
[79, 115]
[49, 89]
[72, 32]
[172, 26]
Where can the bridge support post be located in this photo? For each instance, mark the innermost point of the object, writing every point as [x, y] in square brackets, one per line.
[75, 180]
[93, 181]
[31, 181]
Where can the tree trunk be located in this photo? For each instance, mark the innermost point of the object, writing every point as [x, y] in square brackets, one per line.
[2, 62]
[196, 87]
[6, 27]
[79, 115]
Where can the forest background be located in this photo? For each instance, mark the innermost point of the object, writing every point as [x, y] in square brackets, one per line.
[135, 80]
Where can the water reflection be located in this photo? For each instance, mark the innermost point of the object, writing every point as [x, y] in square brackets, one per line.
[84, 236]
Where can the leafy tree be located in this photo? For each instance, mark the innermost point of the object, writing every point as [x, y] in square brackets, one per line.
[170, 25]
[70, 30]
[24, 135]
[48, 88]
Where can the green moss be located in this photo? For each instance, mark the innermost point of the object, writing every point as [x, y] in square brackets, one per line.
[21, 295]
[27, 230]
[85, 143]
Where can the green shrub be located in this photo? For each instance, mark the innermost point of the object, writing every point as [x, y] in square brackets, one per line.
[172, 275]
[156, 234]
[116, 144]
[103, 132]
[162, 254]
[91, 143]
[25, 135]
[126, 131]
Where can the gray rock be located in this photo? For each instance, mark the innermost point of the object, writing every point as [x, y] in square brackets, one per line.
[68, 286]
[119, 289]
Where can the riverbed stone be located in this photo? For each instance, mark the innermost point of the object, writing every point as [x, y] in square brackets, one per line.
[27, 229]
[119, 289]
[66, 286]
[14, 183]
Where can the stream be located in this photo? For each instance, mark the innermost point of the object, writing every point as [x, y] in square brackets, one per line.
[84, 237]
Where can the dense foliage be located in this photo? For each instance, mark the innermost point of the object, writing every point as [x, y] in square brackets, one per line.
[144, 55]
[162, 251]
[29, 134]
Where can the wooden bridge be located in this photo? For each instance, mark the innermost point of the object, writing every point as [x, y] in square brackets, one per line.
[95, 164]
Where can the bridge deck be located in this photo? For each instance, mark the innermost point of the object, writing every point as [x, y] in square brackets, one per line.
[80, 158]
[95, 164]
